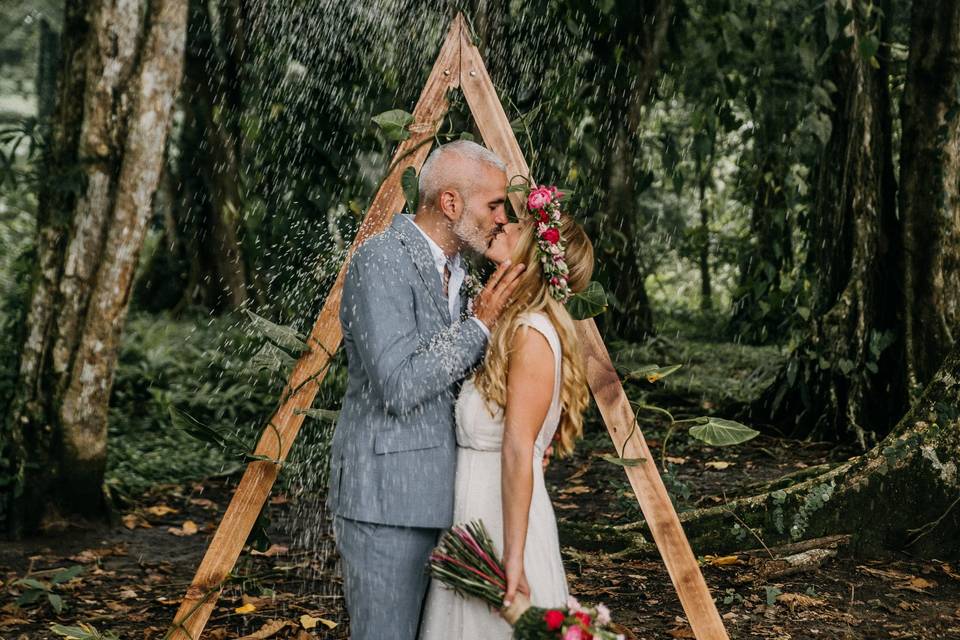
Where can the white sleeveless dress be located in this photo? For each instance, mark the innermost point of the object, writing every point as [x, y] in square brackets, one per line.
[446, 615]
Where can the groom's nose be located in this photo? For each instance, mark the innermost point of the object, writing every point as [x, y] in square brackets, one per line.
[500, 216]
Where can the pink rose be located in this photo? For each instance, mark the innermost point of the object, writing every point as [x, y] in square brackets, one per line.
[574, 633]
[539, 198]
[551, 235]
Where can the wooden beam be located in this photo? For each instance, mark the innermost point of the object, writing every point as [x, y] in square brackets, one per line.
[310, 369]
[497, 134]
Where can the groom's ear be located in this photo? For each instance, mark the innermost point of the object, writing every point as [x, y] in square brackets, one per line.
[450, 204]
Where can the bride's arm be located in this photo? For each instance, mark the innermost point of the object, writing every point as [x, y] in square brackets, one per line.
[529, 391]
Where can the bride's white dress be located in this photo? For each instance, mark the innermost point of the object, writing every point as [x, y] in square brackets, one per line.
[446, 615]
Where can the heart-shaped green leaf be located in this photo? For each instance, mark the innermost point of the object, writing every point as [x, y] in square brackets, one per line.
[590, 302]
[394, 124]
[718, 432]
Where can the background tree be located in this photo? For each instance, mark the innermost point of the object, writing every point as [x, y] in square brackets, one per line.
[929, 190]
[100, 173]
[846, 374]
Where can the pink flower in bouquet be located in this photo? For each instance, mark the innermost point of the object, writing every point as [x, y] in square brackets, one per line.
[554, 619]
[573, 605]
[539, 198]
[583, 618]
[575, 633]
[603, 615]
[551, 235]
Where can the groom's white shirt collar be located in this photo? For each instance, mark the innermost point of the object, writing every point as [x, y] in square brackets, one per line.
[457, 274]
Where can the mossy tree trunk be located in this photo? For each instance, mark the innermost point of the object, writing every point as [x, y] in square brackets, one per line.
[121, 69]
[930, 188]
[846, 378]
[903, 493]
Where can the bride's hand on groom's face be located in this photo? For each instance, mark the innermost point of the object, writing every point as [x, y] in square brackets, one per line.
[496, 294]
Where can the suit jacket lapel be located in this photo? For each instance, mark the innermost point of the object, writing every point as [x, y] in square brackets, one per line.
[419, 250]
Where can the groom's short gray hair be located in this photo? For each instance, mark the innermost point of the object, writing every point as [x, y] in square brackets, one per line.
[434, 176]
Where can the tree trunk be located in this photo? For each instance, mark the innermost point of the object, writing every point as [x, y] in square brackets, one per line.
[846, 377]
[903, 493]
[930, 190]
[122, 66]
[706, 293]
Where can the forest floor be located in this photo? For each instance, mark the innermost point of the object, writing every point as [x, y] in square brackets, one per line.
[135, 572]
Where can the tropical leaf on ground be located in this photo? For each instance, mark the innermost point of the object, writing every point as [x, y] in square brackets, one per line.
[284, 337]
[718, 432]
[590, 302]
[652, 372]
[82, 632]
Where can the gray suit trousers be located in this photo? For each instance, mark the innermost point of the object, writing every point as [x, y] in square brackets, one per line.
[385, 576]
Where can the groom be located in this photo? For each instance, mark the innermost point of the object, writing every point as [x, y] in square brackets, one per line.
[393, 455]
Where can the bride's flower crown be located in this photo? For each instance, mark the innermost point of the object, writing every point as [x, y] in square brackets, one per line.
[543, 203]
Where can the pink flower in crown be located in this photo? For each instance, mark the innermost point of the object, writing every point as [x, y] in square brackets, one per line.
[554, 280]
[539, 198]
[551, 235]
[542, 216]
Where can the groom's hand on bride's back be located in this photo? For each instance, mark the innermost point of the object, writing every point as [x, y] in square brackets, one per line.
[497, 293]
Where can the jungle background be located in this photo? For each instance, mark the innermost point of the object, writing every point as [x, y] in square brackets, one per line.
[772, 189]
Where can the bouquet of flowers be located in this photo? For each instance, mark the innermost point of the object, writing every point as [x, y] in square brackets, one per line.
[466, 561]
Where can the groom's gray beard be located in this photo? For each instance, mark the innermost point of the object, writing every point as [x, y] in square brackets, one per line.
[470, 234]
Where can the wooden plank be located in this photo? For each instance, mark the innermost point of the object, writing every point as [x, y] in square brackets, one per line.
[310, 369]
[494, 127]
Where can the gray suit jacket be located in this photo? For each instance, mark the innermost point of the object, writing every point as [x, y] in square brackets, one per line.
[393, 454]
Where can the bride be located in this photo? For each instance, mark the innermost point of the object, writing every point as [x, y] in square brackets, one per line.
[530, 388]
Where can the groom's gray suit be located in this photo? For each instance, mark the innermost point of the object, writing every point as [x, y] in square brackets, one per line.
[393, 455]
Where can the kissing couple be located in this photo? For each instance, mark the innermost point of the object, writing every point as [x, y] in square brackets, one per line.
[451, 404]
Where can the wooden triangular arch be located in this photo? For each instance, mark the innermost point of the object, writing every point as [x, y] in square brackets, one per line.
[459, 65]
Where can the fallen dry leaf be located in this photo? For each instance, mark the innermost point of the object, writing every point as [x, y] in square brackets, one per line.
[719, 465]
[247, 608]
[675, 460]
[721, 561]
[160, 510]
[206, 503]
[274, 550]
[576, 490]
[133, 520]
[189, 528]
[309, 622]
[920, 585]
[681, 632]
[270, 628]
[794, 600]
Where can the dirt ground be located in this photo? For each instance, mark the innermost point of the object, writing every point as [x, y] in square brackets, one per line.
[133, 578]
[134, 574]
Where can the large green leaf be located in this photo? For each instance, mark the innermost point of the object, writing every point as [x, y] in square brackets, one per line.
[411, 188]
[284, 337]
[718, 432]
[394, 124]
[590, 302]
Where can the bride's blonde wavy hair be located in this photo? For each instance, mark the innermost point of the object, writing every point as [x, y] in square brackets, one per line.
[532, 295]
